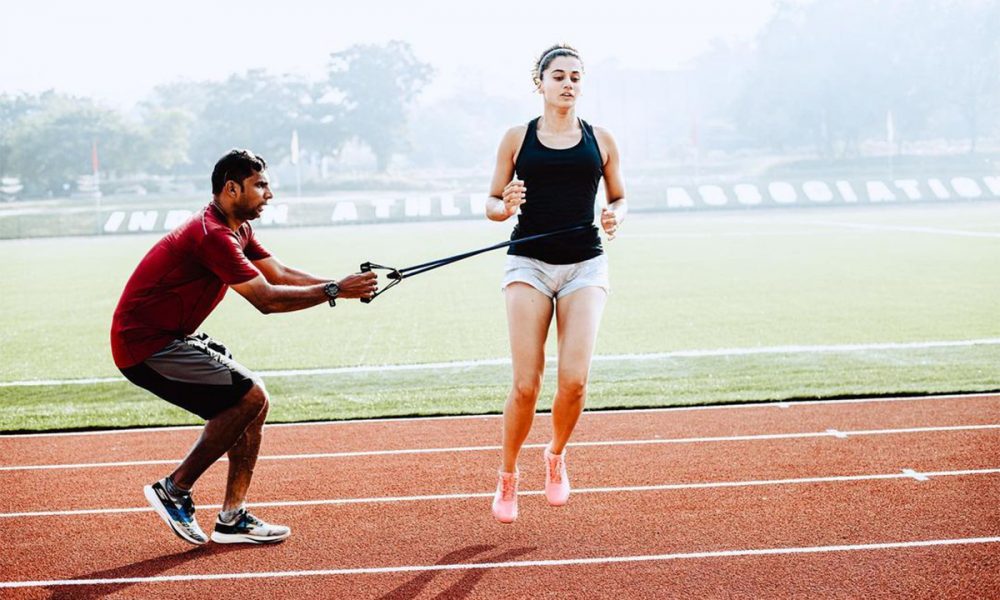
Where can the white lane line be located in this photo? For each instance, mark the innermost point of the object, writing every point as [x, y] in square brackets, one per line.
[910, 229]
[732, 234]
[465, 364]
[470, 495]
[507, 565]
[589, 413]
[407, 451]
[915, 475]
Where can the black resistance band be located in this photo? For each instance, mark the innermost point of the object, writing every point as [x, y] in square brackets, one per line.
[400, 274]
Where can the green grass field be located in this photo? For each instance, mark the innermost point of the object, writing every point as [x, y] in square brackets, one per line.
[680, 282]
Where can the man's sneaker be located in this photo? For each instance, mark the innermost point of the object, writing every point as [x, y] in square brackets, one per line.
[177, 512]
[246, 528]
[556, 479]
[505, 500]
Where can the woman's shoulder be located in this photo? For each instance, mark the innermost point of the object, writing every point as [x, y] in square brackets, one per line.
[514, 136]
[599, 131]
[517, 131]
[603, 135]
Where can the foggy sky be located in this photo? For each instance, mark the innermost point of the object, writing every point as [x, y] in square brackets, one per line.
[117, 51]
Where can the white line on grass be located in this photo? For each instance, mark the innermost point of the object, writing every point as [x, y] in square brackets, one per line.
[490, 362]
[733, 234]
[909, 229]
[506, 565]
[640, 442]
[591, 413]
[903, 474]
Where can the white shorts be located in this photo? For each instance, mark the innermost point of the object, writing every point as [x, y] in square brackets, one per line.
[556, 281]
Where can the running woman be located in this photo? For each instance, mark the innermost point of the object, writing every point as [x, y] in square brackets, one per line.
[547, 173]
[176, 286]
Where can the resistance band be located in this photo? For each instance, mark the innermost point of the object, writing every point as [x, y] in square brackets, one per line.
[397, 275]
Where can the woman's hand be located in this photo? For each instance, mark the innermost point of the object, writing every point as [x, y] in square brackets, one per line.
[513, 196]
[609, 222]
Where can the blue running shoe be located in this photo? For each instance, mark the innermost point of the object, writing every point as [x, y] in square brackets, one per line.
[246, 528]
[177, 512]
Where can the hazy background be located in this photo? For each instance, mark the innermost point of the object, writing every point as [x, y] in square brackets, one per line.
[392, 93]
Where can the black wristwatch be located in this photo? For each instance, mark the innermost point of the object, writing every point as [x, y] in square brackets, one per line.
[332, 291]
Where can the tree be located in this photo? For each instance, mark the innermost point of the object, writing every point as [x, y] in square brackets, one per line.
[827, 72]
[254, 110]
[52, 144]
[970, 68]
[377, 83]
[12, 110]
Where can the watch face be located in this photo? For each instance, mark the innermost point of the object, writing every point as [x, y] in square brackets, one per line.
[332, 289]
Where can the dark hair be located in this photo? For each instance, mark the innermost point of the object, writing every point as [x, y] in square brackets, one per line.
[236, 166]
[550, 54]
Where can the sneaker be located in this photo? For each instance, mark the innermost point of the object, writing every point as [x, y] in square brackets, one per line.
[556, 479]
[505, 500]
[246, 528]
[177, 512]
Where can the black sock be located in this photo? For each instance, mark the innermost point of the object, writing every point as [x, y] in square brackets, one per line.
[173, 489]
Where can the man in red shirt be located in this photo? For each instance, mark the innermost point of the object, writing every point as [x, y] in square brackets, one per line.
[153, 342]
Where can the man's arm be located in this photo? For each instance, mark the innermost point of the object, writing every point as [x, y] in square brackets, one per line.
[279, 274]
[282, 297]
[268, 298]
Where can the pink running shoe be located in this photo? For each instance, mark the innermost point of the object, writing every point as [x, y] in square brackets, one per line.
[505, 500]
[556, 479]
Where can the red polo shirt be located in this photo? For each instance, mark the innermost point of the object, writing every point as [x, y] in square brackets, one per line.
[179, 282]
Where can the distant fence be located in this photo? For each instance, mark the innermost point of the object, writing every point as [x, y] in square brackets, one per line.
[116, 216]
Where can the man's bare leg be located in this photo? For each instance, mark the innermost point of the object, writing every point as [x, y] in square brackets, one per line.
[242, 459]
[220, 434]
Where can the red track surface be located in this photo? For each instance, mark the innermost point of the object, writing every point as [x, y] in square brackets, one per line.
[730, 537]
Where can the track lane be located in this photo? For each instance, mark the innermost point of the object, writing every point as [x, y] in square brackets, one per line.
[593, 525]
[606, 525]
[590, 466]
[352, 436]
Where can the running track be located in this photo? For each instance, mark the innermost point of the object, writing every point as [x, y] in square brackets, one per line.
[881, 498]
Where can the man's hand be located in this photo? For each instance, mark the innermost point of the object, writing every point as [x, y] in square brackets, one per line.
[358, 285]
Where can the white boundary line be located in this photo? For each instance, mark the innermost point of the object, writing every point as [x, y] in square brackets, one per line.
[903, 474]
[835, 433]
[507, 565]
[589, 412]
[490, 362]
[909, 229]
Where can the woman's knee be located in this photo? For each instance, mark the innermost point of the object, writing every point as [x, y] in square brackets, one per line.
[525, 391]
[573, 388]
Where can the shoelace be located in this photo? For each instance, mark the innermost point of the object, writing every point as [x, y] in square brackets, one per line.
[187, 506]
[555, 469]
[507, 488]
[248, 519]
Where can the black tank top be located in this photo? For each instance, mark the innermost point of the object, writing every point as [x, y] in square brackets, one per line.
[562, 188]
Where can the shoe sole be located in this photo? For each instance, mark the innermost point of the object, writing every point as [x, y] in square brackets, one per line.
[504, 521]
[245, 538]
[154, 501]
[557, 502]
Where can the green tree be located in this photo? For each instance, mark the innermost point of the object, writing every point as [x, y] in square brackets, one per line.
[969, 66]
[254, 110]
[51, 145]
[377, 83]
[12, 110]
[827, 72]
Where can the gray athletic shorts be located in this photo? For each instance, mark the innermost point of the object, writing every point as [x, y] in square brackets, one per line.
[556, 281]
[195, 373]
